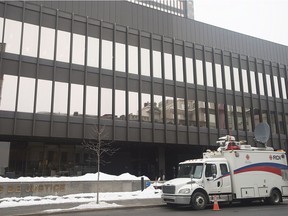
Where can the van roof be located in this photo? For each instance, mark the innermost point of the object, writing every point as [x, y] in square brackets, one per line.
[204, 160]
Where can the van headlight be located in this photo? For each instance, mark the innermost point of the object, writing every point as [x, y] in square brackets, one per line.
[185, 191]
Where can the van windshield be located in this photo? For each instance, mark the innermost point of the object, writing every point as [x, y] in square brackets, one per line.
[186, 170]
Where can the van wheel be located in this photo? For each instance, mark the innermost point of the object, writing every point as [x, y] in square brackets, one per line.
[198, 201]
[275, 197]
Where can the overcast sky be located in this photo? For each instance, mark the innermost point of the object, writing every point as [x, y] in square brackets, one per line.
[266, 19]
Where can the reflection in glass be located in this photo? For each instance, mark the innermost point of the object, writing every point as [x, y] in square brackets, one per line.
[284, 91]
[78, 49]
[264, 116]
[273, 122]
[221, 116]
[76, 102]
[212, 116]
[133, 59]
[107, 54]
[202, 114]
[158, 109]
[26, 95]
[179, 68]
[145, 62]
[133, 106]
[1, 29]
[47, 43]
[239, 118]
[230, 115]
[236, 79]
[170, 110]
[146, 109]
[8, 93]
[44, 94]
[227, 77]
[120, 104]
[261, 84]
[30, 40]
[106, 103]
[199, 69]
[181, 111]
[268, 83]
[12, 36]
[157, 66]
[60, 98]
[218, 76]
[168, 66]
[245, 81]
[120, 60]
[189, 70]
[276, 86]
[248, 120]
[286, 117]
[91, 100]
[63, 46]
[256, 117]
[209, 74]
[191, 113]
[253, 82]
[281, 123]
[93, 52]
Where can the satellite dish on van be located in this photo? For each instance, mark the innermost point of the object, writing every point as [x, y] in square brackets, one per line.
[262, 133]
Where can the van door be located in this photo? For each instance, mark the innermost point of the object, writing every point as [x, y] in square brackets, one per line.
[217, 178]
[211, 178]
[225, 178]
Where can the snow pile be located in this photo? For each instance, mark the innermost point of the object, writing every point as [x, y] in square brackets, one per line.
[86, 200]
[107, 177]
[86, 177]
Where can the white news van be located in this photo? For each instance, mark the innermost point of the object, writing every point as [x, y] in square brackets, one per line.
[236, 171]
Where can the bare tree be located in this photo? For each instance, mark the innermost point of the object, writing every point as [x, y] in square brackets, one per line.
[99, 147]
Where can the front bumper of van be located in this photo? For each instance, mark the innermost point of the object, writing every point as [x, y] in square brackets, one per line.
[176, 199]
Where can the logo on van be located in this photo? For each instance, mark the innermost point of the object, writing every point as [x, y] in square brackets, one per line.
[275, 157]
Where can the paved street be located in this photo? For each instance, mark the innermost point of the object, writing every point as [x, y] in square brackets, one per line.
[66, 207]
[144, 208]
[235, 210]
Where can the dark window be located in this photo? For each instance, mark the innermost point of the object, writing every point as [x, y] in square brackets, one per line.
[210, 169]
[64, 157]
[77, 158]
[224, 169]
[50, 155]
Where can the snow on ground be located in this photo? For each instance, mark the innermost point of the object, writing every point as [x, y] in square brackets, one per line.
[86, 200]
[91, 205]
[89, 198]
[149, 192]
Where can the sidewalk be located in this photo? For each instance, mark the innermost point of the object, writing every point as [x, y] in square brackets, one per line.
[67, 207]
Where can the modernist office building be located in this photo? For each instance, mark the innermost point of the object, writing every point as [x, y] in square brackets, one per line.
[164, 86]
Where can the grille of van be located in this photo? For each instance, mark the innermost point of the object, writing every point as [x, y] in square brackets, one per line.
[168, 189]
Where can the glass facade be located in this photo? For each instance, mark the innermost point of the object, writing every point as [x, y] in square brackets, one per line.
[74, 93]
[176, 7]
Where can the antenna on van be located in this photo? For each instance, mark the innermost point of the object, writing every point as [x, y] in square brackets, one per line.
[262, 133]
